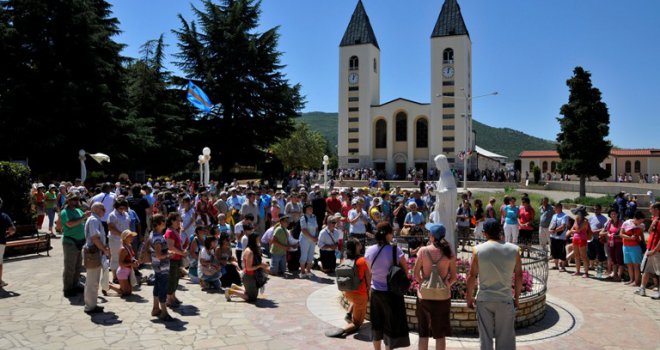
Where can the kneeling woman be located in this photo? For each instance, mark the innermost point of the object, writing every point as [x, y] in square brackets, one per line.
[387, 310]
[433, 311]
[127, 262]
[253, 266]
[209, 268]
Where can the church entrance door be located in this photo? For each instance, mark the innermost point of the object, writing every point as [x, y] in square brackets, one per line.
[401, 171]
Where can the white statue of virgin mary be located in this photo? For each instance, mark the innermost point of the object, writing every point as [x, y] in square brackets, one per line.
[445, 201]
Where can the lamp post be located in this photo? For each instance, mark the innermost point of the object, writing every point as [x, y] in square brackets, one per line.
[326, 161]
[200, 160]
[206, 153]
[468, 99]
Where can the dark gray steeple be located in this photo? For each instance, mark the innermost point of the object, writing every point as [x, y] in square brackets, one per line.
[359, 30]
[450, 22]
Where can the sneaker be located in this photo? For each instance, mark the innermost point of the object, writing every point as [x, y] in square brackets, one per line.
[657, 296]
[641, 292]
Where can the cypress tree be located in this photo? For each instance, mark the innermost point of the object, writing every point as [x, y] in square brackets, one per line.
[582, 143]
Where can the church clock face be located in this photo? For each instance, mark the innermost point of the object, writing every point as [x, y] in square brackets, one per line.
[353, 78]
[448, 72]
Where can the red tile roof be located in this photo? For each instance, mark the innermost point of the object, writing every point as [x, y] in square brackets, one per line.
[649, 152]
[539, 154]
[635, 152]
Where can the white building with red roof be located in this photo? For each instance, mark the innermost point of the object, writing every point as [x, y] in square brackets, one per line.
[634, 162]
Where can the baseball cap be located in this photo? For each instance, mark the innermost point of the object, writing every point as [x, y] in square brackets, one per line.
[437, 230]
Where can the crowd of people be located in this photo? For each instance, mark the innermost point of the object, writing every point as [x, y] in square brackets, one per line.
[231, 239]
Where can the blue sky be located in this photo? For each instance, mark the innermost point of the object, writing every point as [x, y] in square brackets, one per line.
[524, 49]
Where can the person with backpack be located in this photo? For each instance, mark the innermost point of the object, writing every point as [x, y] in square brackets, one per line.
[387, 309]
[435, 271]
[354, 284]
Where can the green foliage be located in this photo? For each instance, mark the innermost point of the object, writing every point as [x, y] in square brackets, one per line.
[537, 174]
[508, 142]
[162, 121]
[60, 82]
[504, 141]
[240, 70]
[604, 201]
[303, 149]
[584, 126]
[326, 124]
[15, 191]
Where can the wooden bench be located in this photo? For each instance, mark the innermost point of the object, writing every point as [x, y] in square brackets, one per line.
[34, 244]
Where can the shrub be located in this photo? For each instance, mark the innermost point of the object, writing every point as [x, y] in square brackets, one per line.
[15, 191]
[537, 174]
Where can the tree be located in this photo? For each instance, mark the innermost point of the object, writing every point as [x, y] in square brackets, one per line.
[158, 110]
[240, 71]
[61, 83]
[536, 171]
[581, 143]
[304, 149]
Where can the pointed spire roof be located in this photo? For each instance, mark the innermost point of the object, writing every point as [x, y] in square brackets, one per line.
[450, 22]
[359, 30]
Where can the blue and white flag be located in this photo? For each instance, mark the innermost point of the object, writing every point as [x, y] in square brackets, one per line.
[198, 98]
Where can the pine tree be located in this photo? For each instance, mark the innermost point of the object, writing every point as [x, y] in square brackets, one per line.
[158, 110]
[240, 70]
[61, 83]
[582, 143]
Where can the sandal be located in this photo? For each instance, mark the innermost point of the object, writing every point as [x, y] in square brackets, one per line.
[155, 312]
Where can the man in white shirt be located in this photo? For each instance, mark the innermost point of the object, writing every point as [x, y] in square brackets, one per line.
[107, 198]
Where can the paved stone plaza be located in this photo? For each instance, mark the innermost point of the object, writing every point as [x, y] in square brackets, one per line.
[293, 314]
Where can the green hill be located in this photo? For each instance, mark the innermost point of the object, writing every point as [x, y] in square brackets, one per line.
[508, 142]
[504, 141]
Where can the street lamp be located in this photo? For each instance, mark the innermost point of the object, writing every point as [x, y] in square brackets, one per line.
[326, 161]
[468, 99]
[206, 152]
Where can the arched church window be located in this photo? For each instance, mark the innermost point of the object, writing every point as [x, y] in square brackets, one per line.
[401, 126]
[448, 56]
[422, 131]
[354, 63]
[545, 167]
[381, 134]
[638, 166]
[627, 167]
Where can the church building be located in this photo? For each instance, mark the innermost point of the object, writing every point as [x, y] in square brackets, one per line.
[397, 135]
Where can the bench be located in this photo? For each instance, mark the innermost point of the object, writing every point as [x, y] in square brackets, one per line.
[28, 244]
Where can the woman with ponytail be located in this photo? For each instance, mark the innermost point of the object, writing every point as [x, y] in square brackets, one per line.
[433, 315]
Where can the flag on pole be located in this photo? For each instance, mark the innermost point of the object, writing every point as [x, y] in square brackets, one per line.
[198, 98]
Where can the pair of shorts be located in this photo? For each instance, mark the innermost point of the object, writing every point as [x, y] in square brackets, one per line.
[651, 264]
[579, 243]
[558, 248]
[123, 273]
[433, 318]
[632, 255]
[359, 307]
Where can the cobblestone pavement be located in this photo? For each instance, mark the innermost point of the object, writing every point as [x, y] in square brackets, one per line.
[293, 314]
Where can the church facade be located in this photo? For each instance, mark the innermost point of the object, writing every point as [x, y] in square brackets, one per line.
[401, 134]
